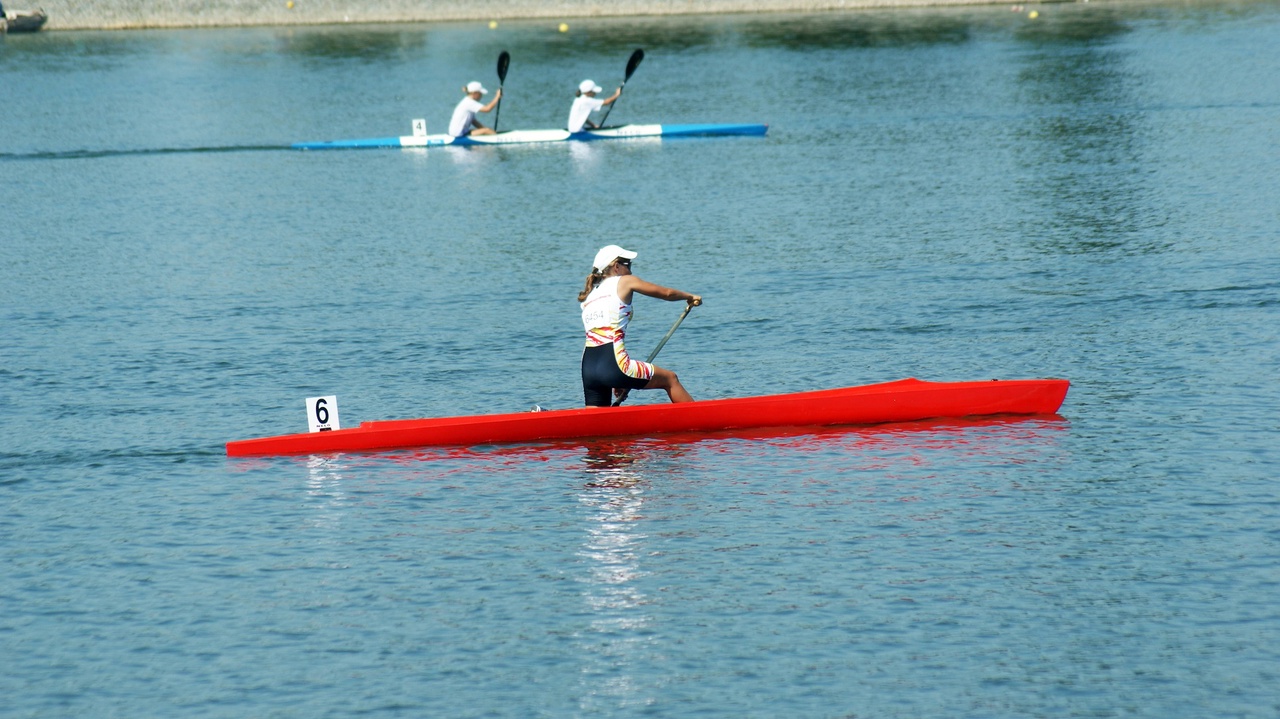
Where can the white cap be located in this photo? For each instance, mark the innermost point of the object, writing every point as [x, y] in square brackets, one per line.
[474, 86]
[607, 255]
[588, 86]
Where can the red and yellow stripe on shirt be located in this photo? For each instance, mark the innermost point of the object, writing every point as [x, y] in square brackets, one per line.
[605, 317]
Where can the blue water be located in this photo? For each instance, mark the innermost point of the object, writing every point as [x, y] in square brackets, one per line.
[945, 194]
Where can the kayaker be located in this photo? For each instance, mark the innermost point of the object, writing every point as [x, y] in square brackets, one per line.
[464, 120]
[606, 309]
[587, 103]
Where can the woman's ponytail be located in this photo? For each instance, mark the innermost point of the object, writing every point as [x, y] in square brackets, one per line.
[593, 279]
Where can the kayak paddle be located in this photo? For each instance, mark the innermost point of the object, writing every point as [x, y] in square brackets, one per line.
[636, 58]
[657, 349]
[504, 59]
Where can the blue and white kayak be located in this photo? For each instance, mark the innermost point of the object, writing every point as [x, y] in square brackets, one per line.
[513, 137]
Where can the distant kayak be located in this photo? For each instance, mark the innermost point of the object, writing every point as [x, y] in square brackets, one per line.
[901, 401]
[514, 137]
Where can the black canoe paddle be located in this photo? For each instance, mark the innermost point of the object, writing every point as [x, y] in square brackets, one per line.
[636, 58]
[657, 349]
[504, 59]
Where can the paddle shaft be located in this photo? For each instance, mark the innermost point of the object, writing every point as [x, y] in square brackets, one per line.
[636, 58]
[670, 332]
[504, 59]
[658, 349]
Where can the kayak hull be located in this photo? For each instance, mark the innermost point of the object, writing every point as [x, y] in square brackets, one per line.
[520, 137]
[901, 401]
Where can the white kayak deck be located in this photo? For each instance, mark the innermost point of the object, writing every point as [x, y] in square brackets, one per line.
[531, 136]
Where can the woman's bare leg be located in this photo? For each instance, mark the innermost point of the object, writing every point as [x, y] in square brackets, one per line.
[666, 379]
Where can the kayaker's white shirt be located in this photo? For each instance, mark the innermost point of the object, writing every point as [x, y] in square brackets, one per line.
[582, 108]
[464, 116]
[604, 314]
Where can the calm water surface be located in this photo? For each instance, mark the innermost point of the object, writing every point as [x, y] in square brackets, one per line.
[950, 195]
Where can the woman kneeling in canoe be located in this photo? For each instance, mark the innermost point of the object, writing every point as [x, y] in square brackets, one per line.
[606, 310]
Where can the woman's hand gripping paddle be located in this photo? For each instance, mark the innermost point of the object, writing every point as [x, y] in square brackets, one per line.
[623, 395]
[636, 58]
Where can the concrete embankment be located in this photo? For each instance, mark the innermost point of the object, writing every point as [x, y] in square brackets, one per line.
[130, 14]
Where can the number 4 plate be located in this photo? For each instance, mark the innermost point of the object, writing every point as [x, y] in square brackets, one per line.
[322, 413]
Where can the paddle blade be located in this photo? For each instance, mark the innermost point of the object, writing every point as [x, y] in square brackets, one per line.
[504, 59]
[637, 57]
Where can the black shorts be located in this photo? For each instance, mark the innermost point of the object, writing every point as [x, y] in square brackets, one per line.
[600, 375]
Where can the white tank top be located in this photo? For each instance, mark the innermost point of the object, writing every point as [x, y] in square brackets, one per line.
[582, 108]
[604, 314]
[463, 116]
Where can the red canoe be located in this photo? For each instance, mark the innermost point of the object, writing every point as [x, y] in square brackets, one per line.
[902, 401]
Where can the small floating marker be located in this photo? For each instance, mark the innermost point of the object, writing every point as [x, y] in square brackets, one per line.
[564, 27]
[493, 24]
[1033, 14]
[289, 4]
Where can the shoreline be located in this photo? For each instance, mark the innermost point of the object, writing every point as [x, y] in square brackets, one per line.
[172, 14]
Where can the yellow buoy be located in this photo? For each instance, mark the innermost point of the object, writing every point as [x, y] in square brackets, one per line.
[564, 27]
[493, 24]
[1033, 14]
[289, 4]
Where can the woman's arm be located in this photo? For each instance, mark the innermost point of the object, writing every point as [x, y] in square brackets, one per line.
[492, 103]
[630, 283]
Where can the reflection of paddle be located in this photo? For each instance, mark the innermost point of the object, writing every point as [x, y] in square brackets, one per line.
[632, 64]
[504, 59]
[657, 349]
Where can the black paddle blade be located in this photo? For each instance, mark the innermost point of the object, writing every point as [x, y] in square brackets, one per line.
[504, 59]
[637, 57]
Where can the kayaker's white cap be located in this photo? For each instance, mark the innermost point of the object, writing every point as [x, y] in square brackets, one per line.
[607, 255]
[474, 86]
[588, 86]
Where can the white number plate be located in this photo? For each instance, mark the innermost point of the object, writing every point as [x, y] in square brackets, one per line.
[322, 413]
